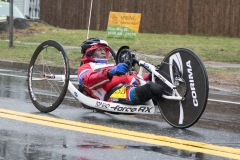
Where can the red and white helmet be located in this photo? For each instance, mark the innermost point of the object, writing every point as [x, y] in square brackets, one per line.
[91, 44]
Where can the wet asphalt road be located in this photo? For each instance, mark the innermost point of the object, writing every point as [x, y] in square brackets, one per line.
[28, 134]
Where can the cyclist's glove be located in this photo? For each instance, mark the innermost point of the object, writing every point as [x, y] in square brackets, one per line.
[120, 69]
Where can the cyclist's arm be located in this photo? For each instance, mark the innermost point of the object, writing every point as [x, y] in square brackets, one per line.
[92, 79]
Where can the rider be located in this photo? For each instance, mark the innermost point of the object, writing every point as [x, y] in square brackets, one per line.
[97, 77]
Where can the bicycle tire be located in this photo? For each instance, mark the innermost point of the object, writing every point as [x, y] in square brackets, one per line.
[48, 58]
[185, 113]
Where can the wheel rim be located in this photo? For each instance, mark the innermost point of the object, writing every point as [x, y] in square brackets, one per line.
[49, 58]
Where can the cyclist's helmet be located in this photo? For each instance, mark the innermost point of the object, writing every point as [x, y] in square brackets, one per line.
[89, 45]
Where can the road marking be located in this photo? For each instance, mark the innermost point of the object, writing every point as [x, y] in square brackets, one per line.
[181, 144]
[222, 101]
[213, 100]
[11, 75]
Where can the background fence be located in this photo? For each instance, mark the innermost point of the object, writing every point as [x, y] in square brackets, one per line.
[207, 17]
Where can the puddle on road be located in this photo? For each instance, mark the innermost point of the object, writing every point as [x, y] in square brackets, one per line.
[14, 85]
[14, 145]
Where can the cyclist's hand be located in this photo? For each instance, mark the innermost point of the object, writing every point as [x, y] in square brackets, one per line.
[120, 69]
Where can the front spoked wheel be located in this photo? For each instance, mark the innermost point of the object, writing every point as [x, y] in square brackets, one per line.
[48, 76]
[184, 69]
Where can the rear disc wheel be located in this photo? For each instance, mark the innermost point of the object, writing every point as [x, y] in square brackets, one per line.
[194, 88]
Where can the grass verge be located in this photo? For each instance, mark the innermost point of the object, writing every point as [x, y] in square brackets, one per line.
[219, 49]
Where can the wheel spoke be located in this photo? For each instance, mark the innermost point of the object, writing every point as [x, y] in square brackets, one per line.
[51, 59]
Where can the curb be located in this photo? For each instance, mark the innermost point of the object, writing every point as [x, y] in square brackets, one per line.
[13, 65]
[24, 65]
[21, 66]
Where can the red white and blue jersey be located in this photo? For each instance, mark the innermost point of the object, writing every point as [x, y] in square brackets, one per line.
[93, 76]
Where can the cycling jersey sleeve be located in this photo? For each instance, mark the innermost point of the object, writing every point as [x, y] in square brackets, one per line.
[92, 79]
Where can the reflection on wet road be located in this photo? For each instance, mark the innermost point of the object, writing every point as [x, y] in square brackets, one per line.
[71, 132]
[43, 149]
[120, 133]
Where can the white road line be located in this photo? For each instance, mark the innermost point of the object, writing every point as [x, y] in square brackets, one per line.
[222, 101]
[209, 99]
[11, 75]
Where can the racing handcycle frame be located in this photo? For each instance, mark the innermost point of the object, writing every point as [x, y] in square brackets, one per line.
[182, 103]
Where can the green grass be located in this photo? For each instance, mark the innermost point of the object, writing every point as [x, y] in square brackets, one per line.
[219, 49]
[20, 52]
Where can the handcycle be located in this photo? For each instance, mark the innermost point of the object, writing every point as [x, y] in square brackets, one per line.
[181, 73]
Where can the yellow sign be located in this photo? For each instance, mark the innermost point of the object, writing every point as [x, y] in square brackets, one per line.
[123, 25]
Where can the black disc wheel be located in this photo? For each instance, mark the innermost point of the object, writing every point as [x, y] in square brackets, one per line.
[183, 68]
[48, 76]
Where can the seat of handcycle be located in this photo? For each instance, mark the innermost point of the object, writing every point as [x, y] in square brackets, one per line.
[107, 96]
